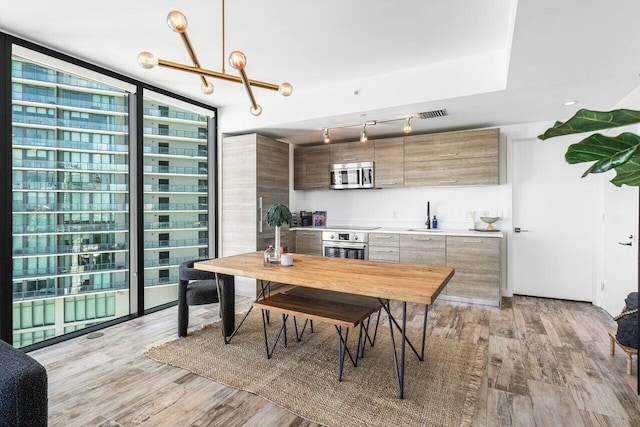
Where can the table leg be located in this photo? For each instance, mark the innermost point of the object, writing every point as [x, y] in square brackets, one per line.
[227, 296]
[399, 362]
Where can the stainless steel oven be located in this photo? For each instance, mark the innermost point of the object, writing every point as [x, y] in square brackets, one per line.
[345, 244]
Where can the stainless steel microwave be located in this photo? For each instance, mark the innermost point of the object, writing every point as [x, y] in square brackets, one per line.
[351, 175]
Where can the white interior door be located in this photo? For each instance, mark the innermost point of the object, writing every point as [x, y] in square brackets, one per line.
[620, 257]
[553, 207]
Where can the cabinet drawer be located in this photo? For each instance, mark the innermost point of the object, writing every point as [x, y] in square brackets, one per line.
[384, 239]
[309, 242]
[384, 253]
[422, 249]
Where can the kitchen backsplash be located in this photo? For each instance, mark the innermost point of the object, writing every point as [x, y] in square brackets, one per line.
[407, 207]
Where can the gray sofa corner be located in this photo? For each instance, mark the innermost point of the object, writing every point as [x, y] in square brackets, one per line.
[23, 389]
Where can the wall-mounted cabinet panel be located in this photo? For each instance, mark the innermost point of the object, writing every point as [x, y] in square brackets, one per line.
[452, 158]
[311, 168]
[389, 163]
[351, 152]
[467, 171]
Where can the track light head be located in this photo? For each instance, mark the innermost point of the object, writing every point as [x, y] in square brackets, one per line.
[407, 125]
[325, 136]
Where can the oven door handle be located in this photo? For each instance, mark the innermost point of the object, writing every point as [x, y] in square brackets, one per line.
[342, 245]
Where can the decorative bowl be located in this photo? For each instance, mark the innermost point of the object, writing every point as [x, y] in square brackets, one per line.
[489, 220]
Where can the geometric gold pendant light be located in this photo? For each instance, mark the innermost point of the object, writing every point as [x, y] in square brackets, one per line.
[178, 23]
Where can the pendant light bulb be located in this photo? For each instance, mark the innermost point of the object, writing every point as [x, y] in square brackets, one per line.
[325, 136]
[407, 125]
[237, 60]
[177, 21]
[146, 60]
[285, 89]
[256, 111]
[207, 89]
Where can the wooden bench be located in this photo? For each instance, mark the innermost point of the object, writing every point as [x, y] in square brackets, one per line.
[339, 309]
[628, 350]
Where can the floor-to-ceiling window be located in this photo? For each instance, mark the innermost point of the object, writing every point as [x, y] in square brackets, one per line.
[175, 194]
[70, 179]
[110, 191]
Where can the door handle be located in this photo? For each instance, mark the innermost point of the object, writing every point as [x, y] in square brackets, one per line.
[630, 243]
[519, 230]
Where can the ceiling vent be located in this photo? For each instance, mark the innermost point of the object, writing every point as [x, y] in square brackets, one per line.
[432, 114]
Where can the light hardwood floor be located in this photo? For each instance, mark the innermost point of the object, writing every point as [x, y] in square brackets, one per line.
[548, 364]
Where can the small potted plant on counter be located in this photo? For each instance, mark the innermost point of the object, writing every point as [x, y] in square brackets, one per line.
[277, 215]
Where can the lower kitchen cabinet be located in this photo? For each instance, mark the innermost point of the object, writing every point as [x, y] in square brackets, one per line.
[309, 242]
[384, 247]
[422, 249]
[477, 264]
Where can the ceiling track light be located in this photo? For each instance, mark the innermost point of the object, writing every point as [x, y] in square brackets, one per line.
[363, 134]
[325, 136]
[178, 23]
[407, 125]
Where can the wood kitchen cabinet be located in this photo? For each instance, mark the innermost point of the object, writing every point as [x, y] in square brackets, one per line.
[452, 158]
[477, 264]
[351, 152]
[309, 242]
[423, 249]
[389, 162]
[384, 247]
[255, 174]
[311, 168]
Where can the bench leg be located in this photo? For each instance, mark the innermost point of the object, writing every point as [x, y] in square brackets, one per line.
[612, 345]
[629, 364]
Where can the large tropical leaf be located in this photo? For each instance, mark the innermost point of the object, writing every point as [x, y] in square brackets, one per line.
[607, 153]
[628, 173]
[278, 214]
[589, 121]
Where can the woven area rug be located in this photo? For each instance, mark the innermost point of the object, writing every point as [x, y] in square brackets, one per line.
[303, 378]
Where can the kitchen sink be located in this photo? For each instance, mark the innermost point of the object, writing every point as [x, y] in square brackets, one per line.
[424, 230]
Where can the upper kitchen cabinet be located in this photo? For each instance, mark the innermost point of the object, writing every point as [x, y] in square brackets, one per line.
[389, 162]
[311, 168]
[255, 175]
[351, 152]
[452, 158]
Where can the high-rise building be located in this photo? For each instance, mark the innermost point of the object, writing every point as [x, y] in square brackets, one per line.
[72, 223]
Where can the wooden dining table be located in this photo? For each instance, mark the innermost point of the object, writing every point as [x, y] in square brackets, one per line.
[406, 283]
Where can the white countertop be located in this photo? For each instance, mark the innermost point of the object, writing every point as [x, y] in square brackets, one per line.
[404, 230]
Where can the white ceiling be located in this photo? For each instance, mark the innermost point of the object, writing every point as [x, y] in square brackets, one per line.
[488, 62]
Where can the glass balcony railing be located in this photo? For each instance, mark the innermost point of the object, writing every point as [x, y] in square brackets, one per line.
[154, 244]
[161, 281]
[187, 152]
[83, 289]
[70, 228]
[68, 186]
[71, 249]
[68, 123]
[70, 145]
[27, 273]
[165, 262]
[175, 170]
[175, 225]
[176, 133]
[69, 207]
[69, 166]
[175, 206]
[166, 188]
[66, 102]
[64, 79]
[179, 115]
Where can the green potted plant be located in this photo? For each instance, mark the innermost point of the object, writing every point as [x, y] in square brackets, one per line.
[277, 215]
